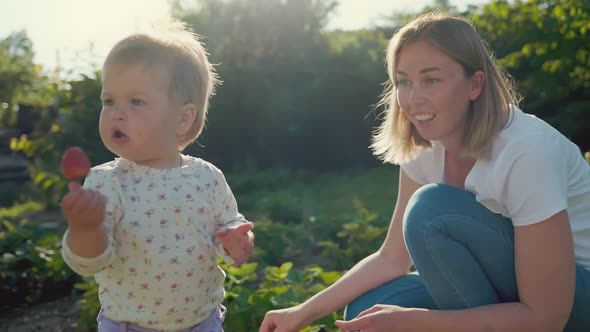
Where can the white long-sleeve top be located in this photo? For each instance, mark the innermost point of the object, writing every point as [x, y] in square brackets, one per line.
[160, 267]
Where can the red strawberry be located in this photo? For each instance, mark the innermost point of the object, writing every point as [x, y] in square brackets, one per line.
[75, 164]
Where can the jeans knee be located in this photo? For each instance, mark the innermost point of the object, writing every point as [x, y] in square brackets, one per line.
[424, 206]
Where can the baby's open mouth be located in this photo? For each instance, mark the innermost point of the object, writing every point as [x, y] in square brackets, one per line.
[118, 134]
[119, 137]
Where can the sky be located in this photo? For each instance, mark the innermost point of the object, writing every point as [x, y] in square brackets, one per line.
[74, 33]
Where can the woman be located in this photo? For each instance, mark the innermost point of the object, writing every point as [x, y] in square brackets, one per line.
[493, 206]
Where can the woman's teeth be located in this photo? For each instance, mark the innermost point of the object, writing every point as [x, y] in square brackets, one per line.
[424, 117]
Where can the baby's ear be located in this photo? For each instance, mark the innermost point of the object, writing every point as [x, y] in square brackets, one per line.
[188, 112]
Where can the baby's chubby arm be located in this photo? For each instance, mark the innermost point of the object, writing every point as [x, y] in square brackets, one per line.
[84, 210]
[233, 233]
[238, 241]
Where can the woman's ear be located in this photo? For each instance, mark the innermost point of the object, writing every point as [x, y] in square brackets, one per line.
[188, 112]
[477, 82]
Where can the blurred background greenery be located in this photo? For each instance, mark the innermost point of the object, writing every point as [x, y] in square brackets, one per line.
[290, 127]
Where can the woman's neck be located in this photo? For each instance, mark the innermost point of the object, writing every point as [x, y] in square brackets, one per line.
[457, 169]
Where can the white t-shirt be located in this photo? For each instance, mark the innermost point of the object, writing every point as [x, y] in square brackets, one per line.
[533, 173]
[160, 267]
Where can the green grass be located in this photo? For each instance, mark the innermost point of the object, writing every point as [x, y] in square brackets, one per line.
[344, 192]
[294, 196]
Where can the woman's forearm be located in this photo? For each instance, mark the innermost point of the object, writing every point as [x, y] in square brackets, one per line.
[503, 317]
[373, 271]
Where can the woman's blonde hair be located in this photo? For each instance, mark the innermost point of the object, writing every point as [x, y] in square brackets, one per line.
[396, 140]
[173, 48]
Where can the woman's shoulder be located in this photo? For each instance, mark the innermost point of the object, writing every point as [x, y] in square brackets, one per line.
[427, 166]
[526, 134]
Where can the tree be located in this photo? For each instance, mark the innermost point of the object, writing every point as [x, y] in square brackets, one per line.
[288, 98]
[21, 80]
[545, 45]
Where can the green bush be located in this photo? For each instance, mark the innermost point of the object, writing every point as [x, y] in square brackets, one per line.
[302, 221]
[247, 299]
[31, 267]
[48, 186]
[89, 304]
[278, 242]
[356, 240]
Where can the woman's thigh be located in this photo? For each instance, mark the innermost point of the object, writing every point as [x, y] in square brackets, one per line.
[464, 252]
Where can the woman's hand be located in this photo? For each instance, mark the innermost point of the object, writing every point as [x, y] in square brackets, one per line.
[380, 318]
[283, 320]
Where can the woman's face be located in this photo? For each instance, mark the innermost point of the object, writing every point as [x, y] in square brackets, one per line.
[434, 93]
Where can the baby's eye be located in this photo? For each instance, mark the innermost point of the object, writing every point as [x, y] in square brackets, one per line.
[108, 102]
[136, 102]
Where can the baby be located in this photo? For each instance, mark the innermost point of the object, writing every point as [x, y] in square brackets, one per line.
[150, 225]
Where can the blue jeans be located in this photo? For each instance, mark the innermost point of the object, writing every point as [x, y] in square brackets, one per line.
[464, 254]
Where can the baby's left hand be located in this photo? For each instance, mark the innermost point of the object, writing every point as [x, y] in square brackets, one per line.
[238, 241]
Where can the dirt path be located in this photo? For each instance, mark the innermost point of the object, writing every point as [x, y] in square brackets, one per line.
[56, 316]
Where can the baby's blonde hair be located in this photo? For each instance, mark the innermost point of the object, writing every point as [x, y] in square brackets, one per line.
[173, 47]
[396, 140]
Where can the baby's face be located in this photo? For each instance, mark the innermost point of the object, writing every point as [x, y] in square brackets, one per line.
[138, 120]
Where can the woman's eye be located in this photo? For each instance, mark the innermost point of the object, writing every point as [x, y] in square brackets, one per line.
[136, 102]
[430, 81]
[402, 83]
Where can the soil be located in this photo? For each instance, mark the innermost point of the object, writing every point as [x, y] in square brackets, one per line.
[55, 316]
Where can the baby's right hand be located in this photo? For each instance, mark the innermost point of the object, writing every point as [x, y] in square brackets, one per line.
[83, 208]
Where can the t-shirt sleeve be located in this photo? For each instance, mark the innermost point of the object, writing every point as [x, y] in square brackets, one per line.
[226, 211]
[425, 168]
[413, 171]
[101, 181]
[536, 186]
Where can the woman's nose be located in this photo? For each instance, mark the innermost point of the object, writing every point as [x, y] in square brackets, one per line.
[410, 97]
[415, 95]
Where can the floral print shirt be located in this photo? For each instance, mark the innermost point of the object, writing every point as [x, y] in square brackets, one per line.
[160, 267]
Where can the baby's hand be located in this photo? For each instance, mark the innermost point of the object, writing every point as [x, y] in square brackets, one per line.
[83, 208]
[238, 241]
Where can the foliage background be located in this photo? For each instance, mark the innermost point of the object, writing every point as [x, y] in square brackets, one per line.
[290, 126]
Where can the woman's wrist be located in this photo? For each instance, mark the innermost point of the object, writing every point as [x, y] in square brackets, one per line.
[418, 317]
[307, 314]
